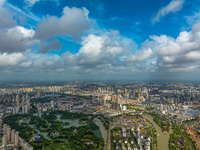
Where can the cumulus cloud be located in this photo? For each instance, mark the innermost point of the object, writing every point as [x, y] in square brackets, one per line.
[6, 19]
[54, 45]
[172, 7]
[11, 59]
[142, 55]
[74, 22]
[98, 50]
[182, 52]
[16, 39]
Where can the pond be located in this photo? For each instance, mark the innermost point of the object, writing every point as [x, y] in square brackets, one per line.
[72, 122]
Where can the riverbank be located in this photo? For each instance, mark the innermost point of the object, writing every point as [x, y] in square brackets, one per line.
[99, 123]
[162, 138]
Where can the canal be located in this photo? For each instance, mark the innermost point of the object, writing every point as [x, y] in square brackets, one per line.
[163, 138]
[99, 123]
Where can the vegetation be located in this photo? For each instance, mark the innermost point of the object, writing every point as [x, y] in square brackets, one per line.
[74, 138]
[177, 141]
[24, 130]
[162, 122]
[188, 136]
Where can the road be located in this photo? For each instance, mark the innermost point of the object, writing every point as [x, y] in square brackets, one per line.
[191, 147]
[109, 143]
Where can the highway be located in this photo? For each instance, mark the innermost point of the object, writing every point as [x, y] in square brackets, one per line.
[109, 142]
[191, 147]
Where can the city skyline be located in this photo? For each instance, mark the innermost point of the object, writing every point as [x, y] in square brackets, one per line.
[59, 40]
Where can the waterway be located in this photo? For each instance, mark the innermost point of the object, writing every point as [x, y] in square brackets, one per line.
[72, 122]
[102, 133]
[162, 138]
[99, 123]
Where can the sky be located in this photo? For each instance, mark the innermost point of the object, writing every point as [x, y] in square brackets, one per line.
[59, 40]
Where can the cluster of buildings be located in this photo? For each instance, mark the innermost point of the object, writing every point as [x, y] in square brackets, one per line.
[133, 134]
[131, 139]
[74, 104]
[11, 139]
[181, 112]
[22, 104]
[193, 128]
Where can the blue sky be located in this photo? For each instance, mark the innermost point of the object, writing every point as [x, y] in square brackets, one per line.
[99, 40]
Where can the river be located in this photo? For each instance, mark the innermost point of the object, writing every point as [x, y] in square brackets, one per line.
[163, 138]
[99, 123]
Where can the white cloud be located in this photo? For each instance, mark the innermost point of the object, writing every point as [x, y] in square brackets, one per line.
[6, 19]
[142, 55]
[11, 59]
[17, 38]
[182, 52]
[97, 50]
[30, 3]
[172, 7]
[195, 55]
[74, 22]
[193, 19]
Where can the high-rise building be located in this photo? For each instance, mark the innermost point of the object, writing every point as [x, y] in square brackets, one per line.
[113, 98]
[23, 98]
[40, 113]
[13, 136]
[4, 129]
[118, 97]
[137, 94]
[161, 106]
[8, 132]
[116, 91]
[4, 140]
[52, 104]
[23, 103]
[38, 94]
[28, 103]
[17, 100]
[27, 96]
[1, 121]
[16, 138]
[133, 93]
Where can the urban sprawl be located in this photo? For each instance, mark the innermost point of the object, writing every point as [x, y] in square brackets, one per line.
[100, 116]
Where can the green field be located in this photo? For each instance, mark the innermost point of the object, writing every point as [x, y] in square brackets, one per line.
[58, 146]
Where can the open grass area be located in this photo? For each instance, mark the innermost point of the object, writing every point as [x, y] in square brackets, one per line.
[58, 146]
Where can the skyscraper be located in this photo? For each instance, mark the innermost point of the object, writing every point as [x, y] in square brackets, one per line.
[52, 104]
[8, 132]
[1, 121]
[4, 140]
[4, 129]
[13, 136]
[17, 100]
[16, 138]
